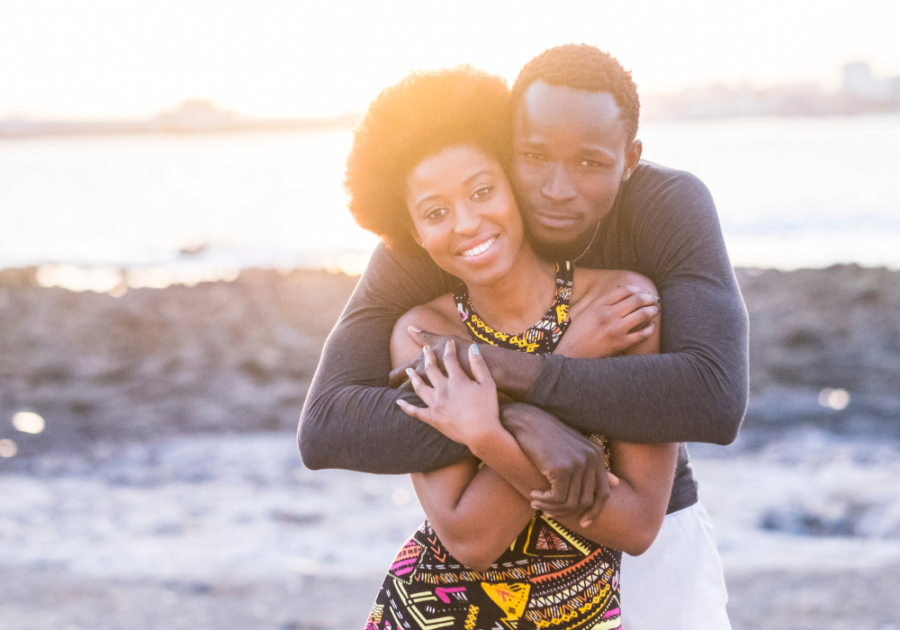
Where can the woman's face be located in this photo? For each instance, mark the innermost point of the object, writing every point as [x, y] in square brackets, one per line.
[464, 214]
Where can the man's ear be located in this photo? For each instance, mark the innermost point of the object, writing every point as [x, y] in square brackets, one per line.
[632, 157]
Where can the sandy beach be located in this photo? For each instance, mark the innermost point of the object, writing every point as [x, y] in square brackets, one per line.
[167, 491]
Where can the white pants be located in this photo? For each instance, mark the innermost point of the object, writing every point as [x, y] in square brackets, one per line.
[678, 583]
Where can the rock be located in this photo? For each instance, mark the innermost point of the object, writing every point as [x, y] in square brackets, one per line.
[239, 356]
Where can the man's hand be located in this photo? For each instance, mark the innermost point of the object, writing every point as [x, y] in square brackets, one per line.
[513, 372]
[574, 466]
[611, 323]
[400, 376]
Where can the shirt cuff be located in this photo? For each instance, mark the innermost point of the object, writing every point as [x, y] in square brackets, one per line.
[540, 393]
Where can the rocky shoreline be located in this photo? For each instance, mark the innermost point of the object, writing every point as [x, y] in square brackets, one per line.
[166, 489]
[239, 356]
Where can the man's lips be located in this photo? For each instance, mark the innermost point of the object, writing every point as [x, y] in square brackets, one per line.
[556, 219]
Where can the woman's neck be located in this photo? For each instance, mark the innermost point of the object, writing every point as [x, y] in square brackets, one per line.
[519, 299]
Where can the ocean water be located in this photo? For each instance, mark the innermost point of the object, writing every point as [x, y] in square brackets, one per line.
[791, 192]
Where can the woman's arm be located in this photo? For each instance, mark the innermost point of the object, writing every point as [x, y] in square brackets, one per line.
[475, 512]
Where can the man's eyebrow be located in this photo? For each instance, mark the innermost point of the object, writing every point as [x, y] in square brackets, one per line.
[596, 151]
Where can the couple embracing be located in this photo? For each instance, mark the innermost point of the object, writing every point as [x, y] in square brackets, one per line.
[540, 452]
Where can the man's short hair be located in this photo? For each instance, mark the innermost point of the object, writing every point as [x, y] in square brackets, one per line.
[583, 67]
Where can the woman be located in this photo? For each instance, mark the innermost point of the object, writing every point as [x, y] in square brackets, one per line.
[427, 170]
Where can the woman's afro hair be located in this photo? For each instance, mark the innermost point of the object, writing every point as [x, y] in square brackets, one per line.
[583, 67]
[414, 119]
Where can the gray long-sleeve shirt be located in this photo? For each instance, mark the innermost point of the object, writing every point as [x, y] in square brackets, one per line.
[663, 225]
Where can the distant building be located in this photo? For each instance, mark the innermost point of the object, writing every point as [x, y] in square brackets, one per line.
[196, 115]
[861, 92]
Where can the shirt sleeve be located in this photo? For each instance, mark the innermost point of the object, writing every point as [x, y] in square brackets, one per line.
[697, 389]
[350, 419]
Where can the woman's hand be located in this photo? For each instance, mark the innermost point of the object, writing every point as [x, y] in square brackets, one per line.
[463, 409]
[611, 323]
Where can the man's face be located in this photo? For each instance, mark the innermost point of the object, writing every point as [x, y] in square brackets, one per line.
[570, 154]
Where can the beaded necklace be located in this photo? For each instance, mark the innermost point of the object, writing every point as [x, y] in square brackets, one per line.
[543, 337]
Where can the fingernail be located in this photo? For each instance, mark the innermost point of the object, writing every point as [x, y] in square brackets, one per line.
[409, 371]
[425, 349]
[586, 523]
[400, 402]
[475, 349]
[414, 329]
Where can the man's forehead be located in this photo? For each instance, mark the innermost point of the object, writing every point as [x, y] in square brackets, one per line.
[543, 105]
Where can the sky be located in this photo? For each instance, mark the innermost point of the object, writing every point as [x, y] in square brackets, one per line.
[129, 58]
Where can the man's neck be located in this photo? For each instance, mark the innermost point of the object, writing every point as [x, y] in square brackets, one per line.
[572, 250]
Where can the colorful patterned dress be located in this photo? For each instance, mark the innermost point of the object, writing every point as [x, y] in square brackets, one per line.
[550, 577]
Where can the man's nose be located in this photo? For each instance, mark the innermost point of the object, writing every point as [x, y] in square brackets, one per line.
[558, 185]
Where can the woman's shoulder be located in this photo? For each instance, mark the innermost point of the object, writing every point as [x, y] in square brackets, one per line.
[437, 316]
[593, 282]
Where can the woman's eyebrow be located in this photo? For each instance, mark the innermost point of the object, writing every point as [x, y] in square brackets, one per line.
[477, 175]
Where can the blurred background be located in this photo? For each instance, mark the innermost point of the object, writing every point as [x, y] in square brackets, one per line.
[175, 246]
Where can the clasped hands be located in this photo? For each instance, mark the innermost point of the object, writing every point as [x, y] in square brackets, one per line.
[466, 398]
[467, 411]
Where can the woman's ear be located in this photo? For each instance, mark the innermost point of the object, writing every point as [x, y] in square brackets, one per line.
[415, 235]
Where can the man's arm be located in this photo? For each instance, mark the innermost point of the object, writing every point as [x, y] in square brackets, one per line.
[350, 419]
[696, 391]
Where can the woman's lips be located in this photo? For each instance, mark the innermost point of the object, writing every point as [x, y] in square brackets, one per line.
[480, 249]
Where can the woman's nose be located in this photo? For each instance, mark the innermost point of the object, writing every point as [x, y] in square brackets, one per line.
[467, 220]
[558, 185]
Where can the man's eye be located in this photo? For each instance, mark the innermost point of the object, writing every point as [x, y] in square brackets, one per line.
[535, 156]
[484, 191]
[589, 163]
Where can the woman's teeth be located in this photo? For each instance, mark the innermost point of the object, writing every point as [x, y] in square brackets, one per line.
[480, 249]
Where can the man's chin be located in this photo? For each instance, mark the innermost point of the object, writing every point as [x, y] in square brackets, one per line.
[556, 245]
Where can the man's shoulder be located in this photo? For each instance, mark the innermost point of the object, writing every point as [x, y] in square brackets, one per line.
[660, 193]
[651, 181]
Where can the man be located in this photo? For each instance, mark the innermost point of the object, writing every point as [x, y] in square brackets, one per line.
[584, 196]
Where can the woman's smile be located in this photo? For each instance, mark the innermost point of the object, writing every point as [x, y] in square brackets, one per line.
[479, 249]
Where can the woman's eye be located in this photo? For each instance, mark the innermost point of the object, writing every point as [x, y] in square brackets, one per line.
[435, 213]
[535, 156]
[588, 163]
[482, 192]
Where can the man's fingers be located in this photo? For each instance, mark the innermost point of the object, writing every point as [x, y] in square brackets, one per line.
[432, 371]
[422, 390]
[573, 496]
[586, 501]
[422, 337]
[621, 292]
[636, 301]
[416, 412]
[601, 494]
[398, 375]
[640, 317]
[479, 368]
[559, 488]
[451, 362]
